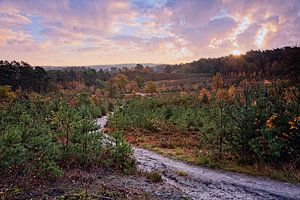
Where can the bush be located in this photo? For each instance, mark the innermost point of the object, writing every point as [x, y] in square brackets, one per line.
[27, 144]
[122, 154]
[266, 125]
[154, 113]
[217, 126]
[153, 176]
[41, 136]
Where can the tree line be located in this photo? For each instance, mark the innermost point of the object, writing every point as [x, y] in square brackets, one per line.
[279, 63]
[21, 75]
[90, 77]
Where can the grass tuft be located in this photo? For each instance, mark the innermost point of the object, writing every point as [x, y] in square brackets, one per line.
[153, 176]
[181, 173]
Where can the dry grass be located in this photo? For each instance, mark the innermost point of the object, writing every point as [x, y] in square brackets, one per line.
[185, 146]
[181, 173]
[153, 176]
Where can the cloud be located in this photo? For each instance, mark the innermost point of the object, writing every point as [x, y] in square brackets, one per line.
[71, 32]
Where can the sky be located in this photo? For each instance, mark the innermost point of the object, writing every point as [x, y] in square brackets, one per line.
[87, 32]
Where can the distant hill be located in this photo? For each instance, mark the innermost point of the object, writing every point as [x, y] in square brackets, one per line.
[99, 67]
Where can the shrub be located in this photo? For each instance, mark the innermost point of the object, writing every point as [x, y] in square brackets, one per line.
[41, 136]
[262, 118]
[122, 154]
[6, 94]
[217, 126]
[27, 145]
[181, 173]
[153, 176]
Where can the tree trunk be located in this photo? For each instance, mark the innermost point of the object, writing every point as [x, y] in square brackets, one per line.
[220, 147]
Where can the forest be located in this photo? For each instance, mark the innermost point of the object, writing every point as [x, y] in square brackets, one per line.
[280, 63]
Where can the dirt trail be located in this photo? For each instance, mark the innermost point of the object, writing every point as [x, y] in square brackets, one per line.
[204, 183]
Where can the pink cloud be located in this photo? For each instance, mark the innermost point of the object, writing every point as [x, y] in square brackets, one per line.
[78, 31]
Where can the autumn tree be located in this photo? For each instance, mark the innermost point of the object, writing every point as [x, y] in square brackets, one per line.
[120, 81]
[131, 87]
[204, 95]
[150, 87]
[139, 67]
[147, 70]
[140, 82]
[217, 81]
[110, 88]
[6, 94]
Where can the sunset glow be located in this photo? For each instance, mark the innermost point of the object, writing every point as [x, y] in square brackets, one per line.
[260, 38]
[79, 32]
[236, 52]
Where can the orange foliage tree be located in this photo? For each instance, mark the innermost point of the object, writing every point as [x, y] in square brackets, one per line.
[150, 87]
